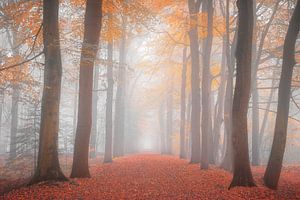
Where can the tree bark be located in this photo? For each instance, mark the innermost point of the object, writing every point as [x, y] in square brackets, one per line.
[170, 117]
[227, 160]
[94, 131]
[195, 81]
[118, 144]
[274, 166]
[162, 128]
[14, 121]
[219, 111]
[207, 151]
[92, 28]
[183, 105]
[48, 168]
[242, 175]
[109, 106]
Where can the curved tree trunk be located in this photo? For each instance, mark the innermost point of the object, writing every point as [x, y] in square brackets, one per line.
[92, 28]
[109, 106]
[242, 175]
[48, 168]
[195, 81]
[273, 170]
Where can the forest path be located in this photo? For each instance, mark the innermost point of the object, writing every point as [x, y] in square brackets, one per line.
[150, 176]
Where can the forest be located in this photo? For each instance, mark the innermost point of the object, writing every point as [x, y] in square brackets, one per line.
[150, 99]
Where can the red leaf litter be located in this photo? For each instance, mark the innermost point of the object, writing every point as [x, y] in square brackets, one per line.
[160, 177]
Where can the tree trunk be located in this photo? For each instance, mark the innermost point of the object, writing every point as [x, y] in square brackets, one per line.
[274, 166]
[162, 128]
[195, 81]
[227, 160]
[48, 168]
[188, 128]
[206, 153]
[118, 144]
[92, 28]
[2, 148]
[255, 124]
[219, 111]
[14, 121]
[169, 117]
[94, 131]
[109, 106]
[242, 175]
[183, 105]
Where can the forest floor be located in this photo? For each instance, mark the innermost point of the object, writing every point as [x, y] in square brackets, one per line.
[150, 176]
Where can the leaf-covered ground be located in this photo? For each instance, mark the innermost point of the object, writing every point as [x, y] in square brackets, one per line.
[159, 177]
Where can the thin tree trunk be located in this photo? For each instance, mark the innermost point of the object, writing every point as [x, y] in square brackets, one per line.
[227, 160]
[109, 106]
[118, 144]
[94, 131]
[169, 117]
[48, 164]
[92, 28]
[195, 81]
[242, 175]
[14, 121]
[183, 105]
[207, 151]
[162, 128]
[219, 111]
[274, 166]
[188, 128]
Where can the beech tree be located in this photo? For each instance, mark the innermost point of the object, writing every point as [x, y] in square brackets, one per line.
[194, 7]
[48, 164]
[206, 125]
[92, 28]
[242, 175]
[274, 166]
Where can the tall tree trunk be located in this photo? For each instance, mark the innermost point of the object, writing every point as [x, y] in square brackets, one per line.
[109, 106]
[14, 121]
[48, 164]
[94, 131]
[206, 153]
[219, 111]
[255, 95]
[242, 175]
[119, 121]
[162, 128]
[183, 104]
[188, 128]
[195, 81]
[227, 160]
[2, 148]
[169, 117]
[92, 28]
[274, 166]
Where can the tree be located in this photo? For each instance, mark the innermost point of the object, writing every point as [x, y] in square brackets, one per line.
[119, 121]
[274, 166]
[109, 106]
[183, 105]
[206, 125]
[195, 81]
[48, 164]
[92, 28]
[242, 175]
